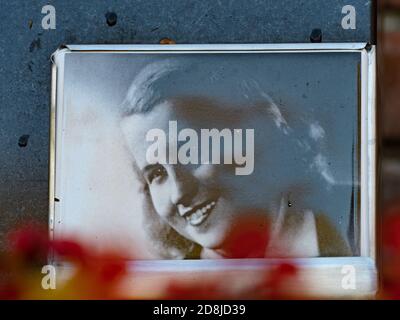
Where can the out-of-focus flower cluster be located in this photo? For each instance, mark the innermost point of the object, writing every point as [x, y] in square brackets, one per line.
[94, 275]
[101, 274]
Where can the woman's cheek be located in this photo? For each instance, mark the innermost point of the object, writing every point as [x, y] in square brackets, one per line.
[160, 197]
[205, 171]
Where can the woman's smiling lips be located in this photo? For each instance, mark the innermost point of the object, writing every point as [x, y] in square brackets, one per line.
[199, 213]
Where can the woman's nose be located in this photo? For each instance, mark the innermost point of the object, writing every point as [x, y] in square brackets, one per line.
[184, 187]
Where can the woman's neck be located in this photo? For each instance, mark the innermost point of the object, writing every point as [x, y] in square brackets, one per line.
[248, 238]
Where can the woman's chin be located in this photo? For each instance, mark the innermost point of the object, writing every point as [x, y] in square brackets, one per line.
[211, 233]
[213, 237]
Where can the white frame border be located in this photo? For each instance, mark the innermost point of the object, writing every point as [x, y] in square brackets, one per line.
[324, 275]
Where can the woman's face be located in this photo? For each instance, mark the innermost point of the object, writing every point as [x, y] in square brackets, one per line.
[200, 201]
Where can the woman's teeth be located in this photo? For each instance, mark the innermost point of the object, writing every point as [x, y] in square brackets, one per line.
[198, 216]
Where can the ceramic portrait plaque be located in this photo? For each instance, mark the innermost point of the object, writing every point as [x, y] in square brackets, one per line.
[219, 156]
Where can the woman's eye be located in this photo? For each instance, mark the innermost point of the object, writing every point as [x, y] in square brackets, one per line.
[157, 174]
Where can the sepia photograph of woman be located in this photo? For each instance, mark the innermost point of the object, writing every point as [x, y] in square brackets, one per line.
[203, 208]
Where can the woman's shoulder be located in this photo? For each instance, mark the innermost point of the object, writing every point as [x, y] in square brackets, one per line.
[305, 234]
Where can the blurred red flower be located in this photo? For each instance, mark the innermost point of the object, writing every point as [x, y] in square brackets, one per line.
[249, 237]
[99, 274]
[95, 274]
[29, 244]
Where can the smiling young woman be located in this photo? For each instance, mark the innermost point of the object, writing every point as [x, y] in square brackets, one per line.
[201, 209]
